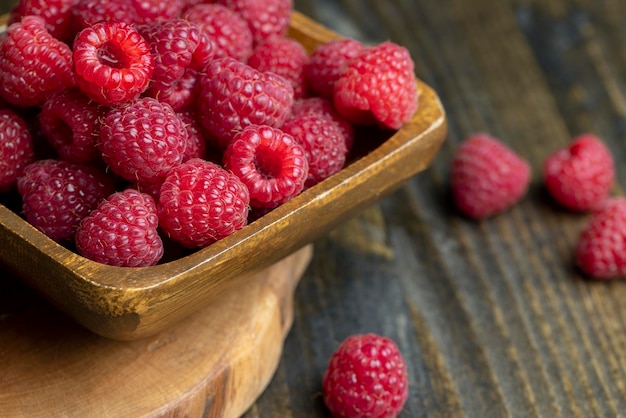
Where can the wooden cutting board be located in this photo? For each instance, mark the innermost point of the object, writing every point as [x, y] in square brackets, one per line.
[214, 363]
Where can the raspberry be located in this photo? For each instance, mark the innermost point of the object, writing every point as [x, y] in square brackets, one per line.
[149, 11]
[57, 195]
[285, 57]
[56, 13]
[86, 13]
[200, 203]
[196, 145]
[271, 164]
[601, 248]
[323, 107]
[112, 62]
[227, 30]
[327, 64]
[71, 123]
[16, 148]
[180, 51]
[33, 64]
[122, 231]
[366, 377]
[487, 177]
[580, 176]
[266, 18]
[142, 140]
[234, 95]
[378, 87]
[323, 142]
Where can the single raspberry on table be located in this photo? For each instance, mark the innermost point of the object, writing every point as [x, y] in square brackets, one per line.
[57, 195]
[266, 18]
[142, 140]
[366, 377]
[228, 32]
[122, 231]
[487, 177]
[378, 86]
[601, 248]
[16, 148]
[112, 62]
[285, 57]
[327, 64]
[33, 64]
[270, 162]
[325, 108]
[323, 142]
[70, 122]
[56, 13]
[580, 176]
[234, 95]
[86, 13]
[200, 203]
[180, 50]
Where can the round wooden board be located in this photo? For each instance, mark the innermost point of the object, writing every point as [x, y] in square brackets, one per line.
[214, 363]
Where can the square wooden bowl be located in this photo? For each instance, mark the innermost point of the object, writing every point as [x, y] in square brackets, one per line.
[131, 303]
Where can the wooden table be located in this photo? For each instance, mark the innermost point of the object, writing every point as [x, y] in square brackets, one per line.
[492, 317]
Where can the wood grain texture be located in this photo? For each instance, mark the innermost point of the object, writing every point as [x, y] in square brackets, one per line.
[492, 317]
[213, 364]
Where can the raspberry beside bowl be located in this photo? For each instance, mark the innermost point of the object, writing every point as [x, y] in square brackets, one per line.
[131, 303]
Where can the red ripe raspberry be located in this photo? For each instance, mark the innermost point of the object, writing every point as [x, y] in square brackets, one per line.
[200, 203]
[328, 63]
[57, 195]
[142, 140]
[71, 124]
[378, 87]
[601, 248]
[86, 13]
[487, 177]
[227, 30]
[122, 231]
[366, 377]
[323, 107]
[271, 164]
[580, 176]
[112, 62]
[235, 95]
[285, 57]
[33, 64]
[16, 148]
[266, 18]
[196, 144]
[323, 142]
[149, 11]
[180, 50]
[56, 13]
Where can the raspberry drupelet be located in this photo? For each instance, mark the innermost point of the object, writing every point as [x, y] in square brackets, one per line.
[270, 162]
[122, 231]
[112, 62]
[366, 377]
[33, 64]
[200, 203]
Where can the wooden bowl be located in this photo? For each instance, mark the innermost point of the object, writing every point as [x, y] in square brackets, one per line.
[130, 303]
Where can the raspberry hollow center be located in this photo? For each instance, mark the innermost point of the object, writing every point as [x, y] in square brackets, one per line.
[113, 56]
[267, 163]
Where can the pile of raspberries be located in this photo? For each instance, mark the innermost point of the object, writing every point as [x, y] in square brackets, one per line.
[128, 124]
